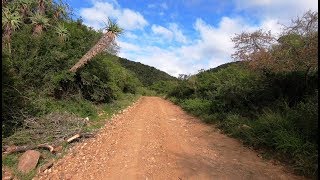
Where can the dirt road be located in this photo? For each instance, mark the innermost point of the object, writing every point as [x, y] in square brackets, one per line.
[155, 139]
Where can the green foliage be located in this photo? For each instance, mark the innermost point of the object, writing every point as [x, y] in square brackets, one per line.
[113, 27]
[272, 111]
[10, 18]
[10, 160]
[62, 32]
[39, 19]
[36, 80]
[163, 87]
[196, 106]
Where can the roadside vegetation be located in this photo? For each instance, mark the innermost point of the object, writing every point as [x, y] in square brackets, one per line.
[268, 97]
[59, 77]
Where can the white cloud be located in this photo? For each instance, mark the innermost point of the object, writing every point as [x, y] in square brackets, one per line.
[128, 46]
[178, 35]
[273, 25]
[283, 10]
[173, 32]
[96, 15]
[131, 20]
[130, 35]
[162, 31]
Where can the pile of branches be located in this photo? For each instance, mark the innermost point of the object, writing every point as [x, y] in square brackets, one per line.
[48, 132]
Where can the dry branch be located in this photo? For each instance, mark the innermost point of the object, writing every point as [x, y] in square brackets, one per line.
[51, 148]
[46, 146]
[73, 138]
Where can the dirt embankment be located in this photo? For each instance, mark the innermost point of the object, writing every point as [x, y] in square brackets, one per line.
[157, 140]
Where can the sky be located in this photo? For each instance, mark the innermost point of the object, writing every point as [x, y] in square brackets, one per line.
[185, 36]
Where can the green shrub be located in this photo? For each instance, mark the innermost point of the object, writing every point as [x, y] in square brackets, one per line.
[196, 106]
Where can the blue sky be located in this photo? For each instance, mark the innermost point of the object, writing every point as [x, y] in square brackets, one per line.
[184, 36]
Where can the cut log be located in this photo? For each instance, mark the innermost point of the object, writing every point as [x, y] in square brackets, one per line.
[46, 146]
[13, 149]
[73, 138]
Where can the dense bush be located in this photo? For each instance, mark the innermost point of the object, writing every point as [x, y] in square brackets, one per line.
[35, 72]
[269, 98]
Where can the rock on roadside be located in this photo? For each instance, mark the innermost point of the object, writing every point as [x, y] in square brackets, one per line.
[28, 161]
[6, 173]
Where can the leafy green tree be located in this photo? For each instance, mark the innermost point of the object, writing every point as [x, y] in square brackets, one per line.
[113, 30]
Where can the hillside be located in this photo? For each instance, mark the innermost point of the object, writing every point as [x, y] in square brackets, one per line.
[146, 74]
[222, 66]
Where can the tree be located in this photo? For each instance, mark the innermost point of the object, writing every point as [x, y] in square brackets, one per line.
[113, 30]
[11, 20]
[41, 6]
[302, 35]
[39, 21]
[59, 10]
[24, 6]
[248, 44]
[296, 49]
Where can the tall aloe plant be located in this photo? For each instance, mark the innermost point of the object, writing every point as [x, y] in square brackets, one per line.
[113, 30]
[11, 20]
[62, 32]
[39, 21]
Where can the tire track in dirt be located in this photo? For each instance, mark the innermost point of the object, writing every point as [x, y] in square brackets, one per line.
[155, 139]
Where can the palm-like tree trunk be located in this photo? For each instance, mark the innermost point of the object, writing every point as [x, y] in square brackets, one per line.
[37, 30]
[103, 42]
[6, 38]
[41, 6]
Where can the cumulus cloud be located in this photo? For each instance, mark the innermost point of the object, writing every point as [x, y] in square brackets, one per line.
[96, 15]
[130, 35]
[173, 32]
[282, 10]
[162, 31]
[178, 35]
[128, 46]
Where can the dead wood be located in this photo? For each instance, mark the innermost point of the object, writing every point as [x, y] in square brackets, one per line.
[52, 148]
[73, 138]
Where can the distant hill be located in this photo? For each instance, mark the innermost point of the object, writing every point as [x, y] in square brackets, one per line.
[222, 66]
[146, 74]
